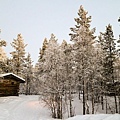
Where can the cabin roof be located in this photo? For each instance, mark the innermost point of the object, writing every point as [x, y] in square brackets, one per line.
[13, 76]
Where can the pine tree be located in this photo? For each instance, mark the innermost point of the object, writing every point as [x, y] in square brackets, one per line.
[2, 52]
[39, 69]
[5, 62]
[3, 57]
[83, 39]
[2, 43]
[118, 72]
[28, 75]
[107, 42]
[44, 46]
[18, 56]
[18, 59]
[117, 80]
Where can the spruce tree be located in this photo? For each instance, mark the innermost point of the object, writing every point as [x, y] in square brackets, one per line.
[118, 71]
[44, 46]
[18, 58]
[39, 69]
[18, 55]
[28, 75]
[83, 38]
[2, 43]
[3, 57]
[107, 42]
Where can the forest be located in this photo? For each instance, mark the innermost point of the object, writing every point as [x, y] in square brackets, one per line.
[87, 67]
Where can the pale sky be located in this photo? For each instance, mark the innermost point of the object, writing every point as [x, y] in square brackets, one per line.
[37, 19]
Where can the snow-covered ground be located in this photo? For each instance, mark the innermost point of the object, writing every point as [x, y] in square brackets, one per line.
[22, 108]
[31, 108]
[96, 117]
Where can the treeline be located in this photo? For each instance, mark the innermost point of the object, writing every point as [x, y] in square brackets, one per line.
[89, 68]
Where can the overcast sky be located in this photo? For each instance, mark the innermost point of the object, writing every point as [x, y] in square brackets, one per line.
[37, 19]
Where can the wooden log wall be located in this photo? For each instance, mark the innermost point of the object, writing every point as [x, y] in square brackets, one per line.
[9, 87]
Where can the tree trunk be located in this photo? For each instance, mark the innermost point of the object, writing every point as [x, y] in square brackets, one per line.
[71, 113]
[53, 105]
[102, 100]
[79, 87]
[79, 94]
[58, 109]
[87, 91]
[93, 105]
[53, 111]
[26, 93]
[116, 109]
[61, 114]
[119, 102]
[93, 102]
[70, 101]
[84, 99]
[106, 104]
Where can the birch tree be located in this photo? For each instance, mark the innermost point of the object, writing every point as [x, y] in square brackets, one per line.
[67, 76]
[50, 88]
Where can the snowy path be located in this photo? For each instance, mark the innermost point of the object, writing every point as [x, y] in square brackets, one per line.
[22, 108]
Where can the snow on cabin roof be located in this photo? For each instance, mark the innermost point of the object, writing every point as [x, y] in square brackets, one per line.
[17, 77]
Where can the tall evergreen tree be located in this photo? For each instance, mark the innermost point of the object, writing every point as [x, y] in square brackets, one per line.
[18, 59]
[118, 71]
[5, 62]
[108, 45]
[39, 69]
[107, 42]
[2, 43]
[18, 56]
[83, 38]
[28, 75]
[44, 46]
[3, 57]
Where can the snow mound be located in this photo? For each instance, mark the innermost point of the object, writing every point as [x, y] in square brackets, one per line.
[96, 117]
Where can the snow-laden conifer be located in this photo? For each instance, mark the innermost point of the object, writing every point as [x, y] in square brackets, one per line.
[83, 38]
[108, 45]
[18, 55]
[18, 58]
[3, 57]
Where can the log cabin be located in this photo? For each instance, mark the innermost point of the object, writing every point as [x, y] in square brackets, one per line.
[9, 84]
